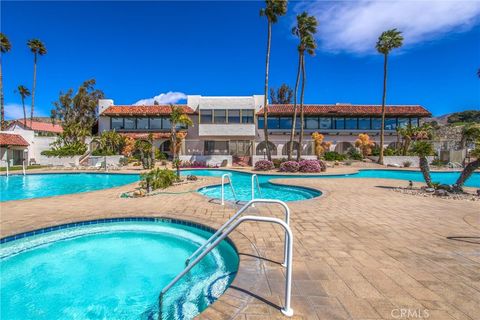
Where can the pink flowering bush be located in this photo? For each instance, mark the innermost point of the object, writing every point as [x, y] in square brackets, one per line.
[310, 166]
[289, 166]
[264, 165]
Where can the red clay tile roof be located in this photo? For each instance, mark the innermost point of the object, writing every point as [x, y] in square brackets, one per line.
[349, 109]
[154, 110]
[40, 126]
[10, 139]
[144, 135]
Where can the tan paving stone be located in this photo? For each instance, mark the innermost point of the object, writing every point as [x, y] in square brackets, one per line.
[358, 250]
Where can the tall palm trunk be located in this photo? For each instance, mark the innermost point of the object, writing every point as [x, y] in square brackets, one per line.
[173, 147]
[24, 113]
[265, 111]
[34, 86]
[467, 172]
[384, 97]
[425, 168]
[2, 101]
[302, 122]
[294, 120]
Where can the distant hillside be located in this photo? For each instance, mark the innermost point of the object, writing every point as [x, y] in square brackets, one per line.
[467, 116]
[441, 120]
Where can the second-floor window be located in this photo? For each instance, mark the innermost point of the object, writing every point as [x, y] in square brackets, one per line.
[219, 116]
[142, 124]
[226, 116]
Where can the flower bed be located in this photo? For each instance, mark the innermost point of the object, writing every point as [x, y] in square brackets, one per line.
[311, 166]
[289, 166]
[264, 165]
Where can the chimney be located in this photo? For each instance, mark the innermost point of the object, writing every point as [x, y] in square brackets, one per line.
[103, 104]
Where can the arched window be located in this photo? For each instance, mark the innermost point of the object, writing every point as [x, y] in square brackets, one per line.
[286, 148]
[343, 147]
[262, 148]
[165, 146]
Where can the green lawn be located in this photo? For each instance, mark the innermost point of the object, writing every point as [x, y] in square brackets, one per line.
[14, 168]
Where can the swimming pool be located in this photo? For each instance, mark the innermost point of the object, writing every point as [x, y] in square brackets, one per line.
[445, 177]
[112, 270]
[16, 187]
[242, 184]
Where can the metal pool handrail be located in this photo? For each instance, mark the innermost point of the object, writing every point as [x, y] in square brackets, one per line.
[235, 216]
[227, 175]
[255, 177]
[286, 310]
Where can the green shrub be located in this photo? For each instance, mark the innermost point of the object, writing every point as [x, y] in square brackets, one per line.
[159, 155]
[70, 150]
[334, 156]
[278, 162]
[158, 179]
[353, 154]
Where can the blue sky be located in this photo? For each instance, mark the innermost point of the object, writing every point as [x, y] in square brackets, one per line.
[144, 49]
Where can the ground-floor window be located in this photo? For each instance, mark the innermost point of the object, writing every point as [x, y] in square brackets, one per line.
[240, 148]
[216, 147]
[17, 157]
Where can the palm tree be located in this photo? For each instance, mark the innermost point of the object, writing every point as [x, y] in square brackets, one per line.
[305, 30]
[5, 46]
[24, 92]
[423, 147]
[38, 48]
[273, 9]
[470, 134]
[177, 117]
[388, 40]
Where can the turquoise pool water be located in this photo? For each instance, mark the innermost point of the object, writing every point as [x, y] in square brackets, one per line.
[111, 271]
[16, 187]
[242, 184]
[441, 177]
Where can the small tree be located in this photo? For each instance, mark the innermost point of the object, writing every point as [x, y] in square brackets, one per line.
[77, 112]
[423, 147]
[320, 146]
[129, 147]
[144, 150]
[110, 143]
[177, 117]
[469, 168]
[364, 144]
[283, 95]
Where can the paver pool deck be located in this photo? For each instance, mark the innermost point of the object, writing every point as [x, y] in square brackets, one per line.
[361, 251]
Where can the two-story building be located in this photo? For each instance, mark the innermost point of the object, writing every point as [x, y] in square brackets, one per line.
[231, 128]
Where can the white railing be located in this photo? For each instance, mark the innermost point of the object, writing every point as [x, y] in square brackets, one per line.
[227, 175]
[228, 227]
[255, 177]
[235, 216]
[23, 167]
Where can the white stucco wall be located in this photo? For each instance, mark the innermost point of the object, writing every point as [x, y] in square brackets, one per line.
[215, 160]
[222, 130]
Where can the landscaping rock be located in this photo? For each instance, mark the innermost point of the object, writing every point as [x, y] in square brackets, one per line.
[441, 193]
[429, 190]
[445, 187]
[478, 192]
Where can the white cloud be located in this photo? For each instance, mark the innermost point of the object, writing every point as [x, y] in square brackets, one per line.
[163, 98]
[15, 111]
[354, 26]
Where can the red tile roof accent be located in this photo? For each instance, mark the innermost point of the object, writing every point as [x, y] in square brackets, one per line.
[144, 135]
[10, 139]
[154, 110]
[40, 126]
[348, 109]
